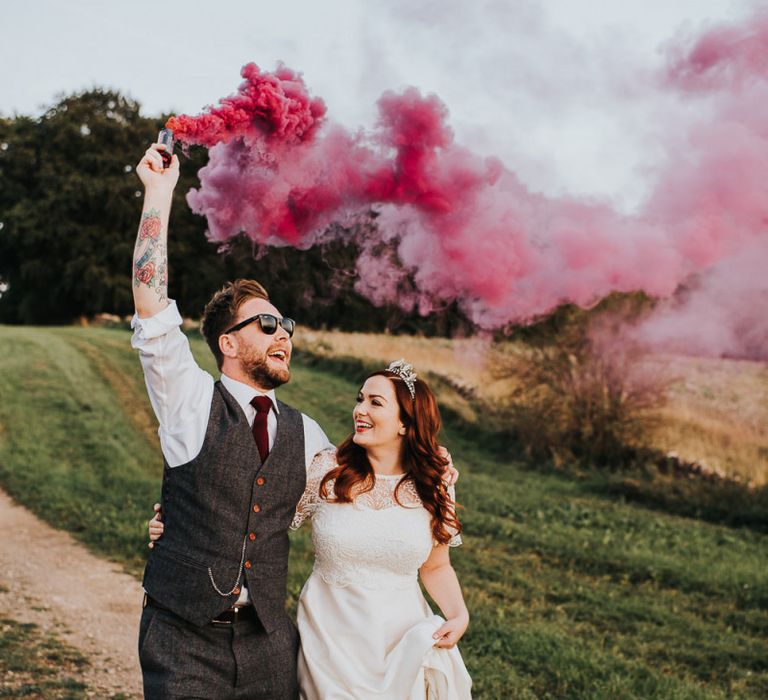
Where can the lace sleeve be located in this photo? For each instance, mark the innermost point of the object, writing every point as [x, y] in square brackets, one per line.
[455, 540]
[322, 463]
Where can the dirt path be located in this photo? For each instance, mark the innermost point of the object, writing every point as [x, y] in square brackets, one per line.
[57, 584]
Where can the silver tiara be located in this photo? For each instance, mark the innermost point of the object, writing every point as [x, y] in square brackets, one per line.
[405, 371]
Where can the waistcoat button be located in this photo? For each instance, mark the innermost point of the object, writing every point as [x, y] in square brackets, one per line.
[256, 508]
[252, 536]
[247, 564]
[260, 481]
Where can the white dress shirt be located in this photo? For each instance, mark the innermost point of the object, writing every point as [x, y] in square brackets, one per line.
[181, 393]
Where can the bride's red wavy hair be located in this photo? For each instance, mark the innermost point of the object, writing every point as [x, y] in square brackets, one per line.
[420, 459]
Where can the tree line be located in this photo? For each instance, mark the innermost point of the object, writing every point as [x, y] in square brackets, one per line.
[70, 203]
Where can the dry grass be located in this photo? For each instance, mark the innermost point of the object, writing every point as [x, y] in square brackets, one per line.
[716, 414]
[466, 362]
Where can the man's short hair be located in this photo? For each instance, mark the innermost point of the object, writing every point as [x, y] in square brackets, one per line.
[221, 311]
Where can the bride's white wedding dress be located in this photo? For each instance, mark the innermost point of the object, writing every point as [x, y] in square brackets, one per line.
[366, 628]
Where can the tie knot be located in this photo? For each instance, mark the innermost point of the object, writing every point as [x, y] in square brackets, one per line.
[262, 404]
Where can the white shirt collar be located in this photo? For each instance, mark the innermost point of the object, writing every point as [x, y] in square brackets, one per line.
[244, 393]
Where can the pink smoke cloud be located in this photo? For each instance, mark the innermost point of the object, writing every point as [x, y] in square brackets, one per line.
[467, 229]
[726, 57]
[713, 200]
[277, 105]
[721, 313]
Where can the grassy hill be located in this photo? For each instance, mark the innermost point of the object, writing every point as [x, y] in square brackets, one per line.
[573, 592]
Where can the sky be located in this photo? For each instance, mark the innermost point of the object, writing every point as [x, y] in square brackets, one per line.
[542, 85]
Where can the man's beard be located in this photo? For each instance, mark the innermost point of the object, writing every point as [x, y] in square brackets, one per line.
[257, 367]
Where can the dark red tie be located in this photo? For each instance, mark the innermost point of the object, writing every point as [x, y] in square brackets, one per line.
[262, 404]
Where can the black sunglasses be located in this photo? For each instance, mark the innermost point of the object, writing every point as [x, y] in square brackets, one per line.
[268, 324]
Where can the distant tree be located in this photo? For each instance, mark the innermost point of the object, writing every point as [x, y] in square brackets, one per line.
[69, 207]
[68, 201]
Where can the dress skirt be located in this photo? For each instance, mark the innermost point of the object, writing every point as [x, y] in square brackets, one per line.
[359, 642]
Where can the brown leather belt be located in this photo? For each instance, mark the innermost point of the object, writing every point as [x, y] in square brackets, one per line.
[237, 613]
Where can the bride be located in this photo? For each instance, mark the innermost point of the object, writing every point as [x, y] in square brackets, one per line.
[381, 518]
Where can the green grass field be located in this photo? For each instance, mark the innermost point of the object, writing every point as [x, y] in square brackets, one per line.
[573, 592]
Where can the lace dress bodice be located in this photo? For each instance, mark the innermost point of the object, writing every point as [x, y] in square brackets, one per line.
[377, 541]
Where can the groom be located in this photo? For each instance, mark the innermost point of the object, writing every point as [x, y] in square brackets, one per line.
[214, 623]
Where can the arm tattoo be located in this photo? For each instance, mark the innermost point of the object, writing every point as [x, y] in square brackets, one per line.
[151, 264]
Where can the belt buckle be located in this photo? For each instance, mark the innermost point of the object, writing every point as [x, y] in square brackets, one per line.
[223, 622]
[235, 609]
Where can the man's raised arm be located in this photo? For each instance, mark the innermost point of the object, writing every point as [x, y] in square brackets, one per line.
[150, 256]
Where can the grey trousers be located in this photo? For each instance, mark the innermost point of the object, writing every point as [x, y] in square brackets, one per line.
[216, 662]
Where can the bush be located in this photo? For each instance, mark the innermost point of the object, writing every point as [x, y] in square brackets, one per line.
[581, 393]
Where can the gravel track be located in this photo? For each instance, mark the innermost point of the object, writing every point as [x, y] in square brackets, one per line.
[90, 604]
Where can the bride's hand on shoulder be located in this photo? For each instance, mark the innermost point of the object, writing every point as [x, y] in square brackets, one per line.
[155, 526]
[451, 475]
[451, 631]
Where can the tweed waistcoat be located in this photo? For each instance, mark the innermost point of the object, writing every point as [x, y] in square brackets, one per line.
[226, 518]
